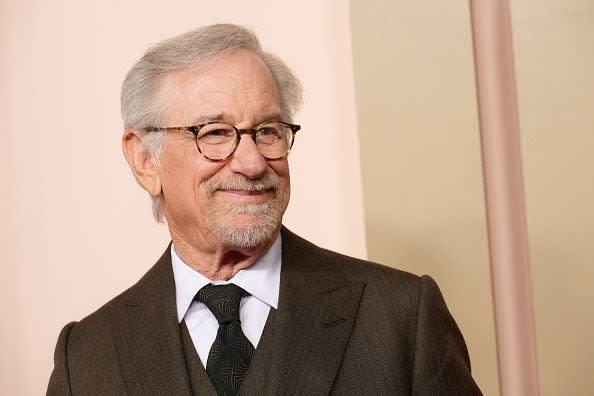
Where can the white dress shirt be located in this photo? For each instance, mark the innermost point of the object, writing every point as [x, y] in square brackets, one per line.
[261, 281]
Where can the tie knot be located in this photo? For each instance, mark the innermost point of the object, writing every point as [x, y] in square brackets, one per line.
[222, 300]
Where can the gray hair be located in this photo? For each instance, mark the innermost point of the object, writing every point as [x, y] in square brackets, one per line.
[141, 86]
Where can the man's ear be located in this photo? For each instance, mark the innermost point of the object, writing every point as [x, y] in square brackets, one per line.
[142, 164]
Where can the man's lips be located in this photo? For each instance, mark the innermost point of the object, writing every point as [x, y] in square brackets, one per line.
[246, 192]
[245, 196]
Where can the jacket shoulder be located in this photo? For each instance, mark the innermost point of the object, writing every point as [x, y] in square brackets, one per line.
[87, 347]
[92, 331]
[154, 279]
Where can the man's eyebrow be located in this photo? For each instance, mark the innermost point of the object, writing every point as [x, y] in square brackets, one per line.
[268, 117]
[216, 117]
[226, 117]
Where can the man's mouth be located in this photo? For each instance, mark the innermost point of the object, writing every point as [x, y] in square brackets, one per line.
[248, 196]
[245, 192]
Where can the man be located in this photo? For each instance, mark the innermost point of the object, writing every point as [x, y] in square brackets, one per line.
[238, 304]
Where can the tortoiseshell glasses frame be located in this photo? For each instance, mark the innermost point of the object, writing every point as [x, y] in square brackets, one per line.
[217, 141]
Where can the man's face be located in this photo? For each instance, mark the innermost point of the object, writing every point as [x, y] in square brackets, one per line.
[238, 202]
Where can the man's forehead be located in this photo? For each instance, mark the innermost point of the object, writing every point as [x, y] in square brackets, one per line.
[203, 108]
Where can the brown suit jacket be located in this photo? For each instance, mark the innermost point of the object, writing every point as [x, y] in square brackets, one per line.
[343, 327]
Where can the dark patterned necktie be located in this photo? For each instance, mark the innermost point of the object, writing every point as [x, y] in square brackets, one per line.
[230, 354]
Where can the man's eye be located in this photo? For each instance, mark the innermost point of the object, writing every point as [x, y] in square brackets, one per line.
[216, 136]
[220, 132]
[268, 131]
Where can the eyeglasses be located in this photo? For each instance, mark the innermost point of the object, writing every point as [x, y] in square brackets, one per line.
[217, 141]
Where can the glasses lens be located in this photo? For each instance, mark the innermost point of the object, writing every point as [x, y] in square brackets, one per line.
[216, 141]
[274, 140]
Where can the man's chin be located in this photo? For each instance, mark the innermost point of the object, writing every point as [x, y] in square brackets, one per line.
[247, 237]
[245, 226]
[246, 230]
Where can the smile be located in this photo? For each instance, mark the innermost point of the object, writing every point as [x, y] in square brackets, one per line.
[251, 196]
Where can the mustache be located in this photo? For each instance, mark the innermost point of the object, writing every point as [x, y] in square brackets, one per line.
[270, 181]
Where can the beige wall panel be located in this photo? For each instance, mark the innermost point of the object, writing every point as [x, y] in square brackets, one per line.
[76, 228]
[555, 73]
[420, 153]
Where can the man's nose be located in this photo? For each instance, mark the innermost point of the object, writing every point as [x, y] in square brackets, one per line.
[247, 159]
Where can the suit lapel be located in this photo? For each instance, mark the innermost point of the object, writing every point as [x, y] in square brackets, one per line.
[147, 338]
[304, 340]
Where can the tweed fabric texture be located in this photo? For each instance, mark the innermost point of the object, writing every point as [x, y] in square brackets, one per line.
[231, 352]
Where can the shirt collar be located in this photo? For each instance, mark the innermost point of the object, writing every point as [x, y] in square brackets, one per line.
[261, 280]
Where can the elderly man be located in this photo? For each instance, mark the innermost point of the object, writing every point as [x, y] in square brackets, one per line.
[238, 303]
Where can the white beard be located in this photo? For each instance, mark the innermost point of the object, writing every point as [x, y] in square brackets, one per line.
[261, 223]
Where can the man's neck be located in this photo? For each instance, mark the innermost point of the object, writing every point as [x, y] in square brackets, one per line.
[218, 262]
